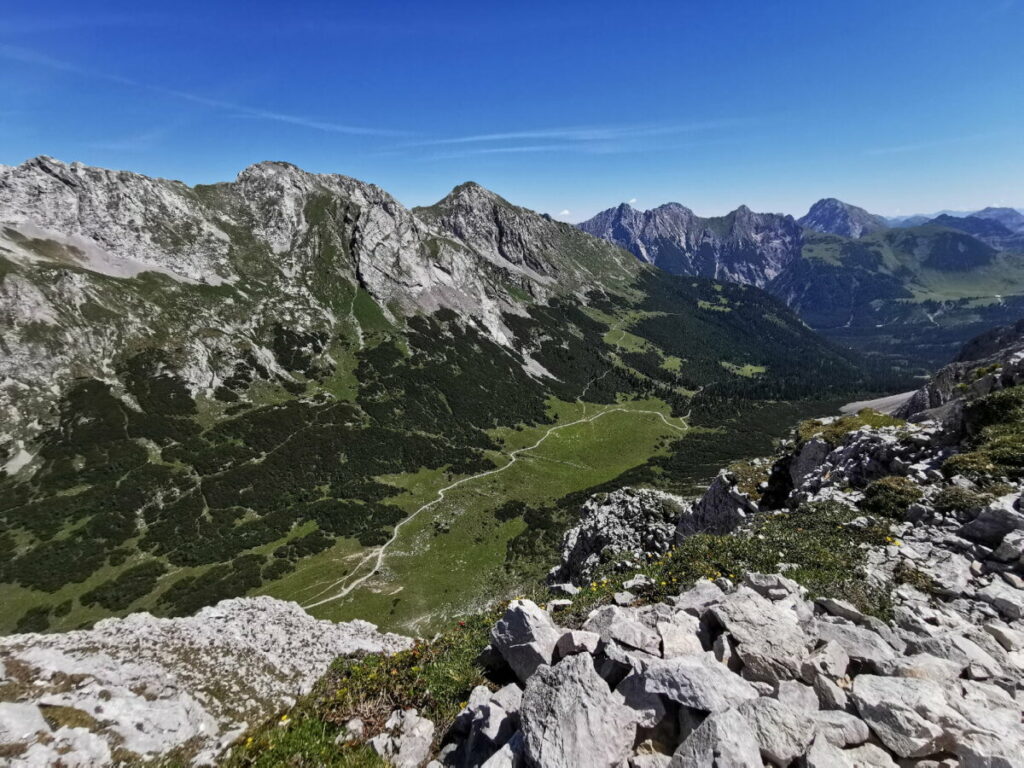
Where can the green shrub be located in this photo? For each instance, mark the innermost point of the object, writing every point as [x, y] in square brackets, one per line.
[890, 496]
[956, 499]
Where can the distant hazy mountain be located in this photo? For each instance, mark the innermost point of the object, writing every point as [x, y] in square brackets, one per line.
[908, 221]
[1010, 218]
[835, 217]
[989, 230]
[742, 246]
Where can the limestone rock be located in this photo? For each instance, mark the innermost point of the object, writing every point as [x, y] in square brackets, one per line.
[724, 740]
[525, 637]
[570, 718]
[698, 682]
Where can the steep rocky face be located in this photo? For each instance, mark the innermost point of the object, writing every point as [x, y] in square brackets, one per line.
[743, 246]
[835, 217]
[147, 687]
[95, 262]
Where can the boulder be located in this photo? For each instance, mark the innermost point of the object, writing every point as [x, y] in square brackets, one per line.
[1008, 600]
[576, 641]
[783, 734]
[1011, 548]
[922, 666]
[830, 695]
[995, 521]
[570, 718]
[811, 456]
[618, 624]
[699, 682]
[648, 706]
[628, 522]
[680, 636]
[840, 728]
[829, 659]
[525, 637]
[861, 645]
[910, 716]
[796, 696]
[769, 639]
[724, 740]
[701, 596]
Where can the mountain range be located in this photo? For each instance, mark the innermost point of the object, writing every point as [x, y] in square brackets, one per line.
[911, 294]
[208, 391]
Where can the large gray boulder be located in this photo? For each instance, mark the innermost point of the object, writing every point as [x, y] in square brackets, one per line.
[995, 521]
[525, 637]
[723, 740]
[771, 642]
[621, 625]
[699, 682]
[910, 716]
[1008, 600]
[861, 644]
[812, 454]
[570, 718]
[783, 733]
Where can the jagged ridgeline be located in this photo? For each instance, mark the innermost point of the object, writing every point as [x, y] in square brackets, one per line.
[240, 388]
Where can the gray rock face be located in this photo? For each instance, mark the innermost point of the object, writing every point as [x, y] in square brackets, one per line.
[628, 523]
[721, 509]
[472, 253]
[741, 247]
[570, 718]
[244, 659]
[525, 637]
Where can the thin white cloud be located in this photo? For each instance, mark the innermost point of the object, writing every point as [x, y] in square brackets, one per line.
[600, 133]
[632, 200]
[922, 145]
[566, 212]
[528, 149]
[24, 56]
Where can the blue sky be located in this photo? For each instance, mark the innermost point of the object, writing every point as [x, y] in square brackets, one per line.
[570, 107]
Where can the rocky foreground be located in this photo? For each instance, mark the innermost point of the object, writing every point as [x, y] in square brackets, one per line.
[751, 671]
[139, 687]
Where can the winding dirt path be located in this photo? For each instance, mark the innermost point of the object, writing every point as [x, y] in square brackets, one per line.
[513, 458]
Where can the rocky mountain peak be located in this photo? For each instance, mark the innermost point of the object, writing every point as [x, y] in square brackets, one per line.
[743, 246]
[835, 217]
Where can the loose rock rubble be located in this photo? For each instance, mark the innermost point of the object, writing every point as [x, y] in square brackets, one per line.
[808, 683]
[148, 686]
